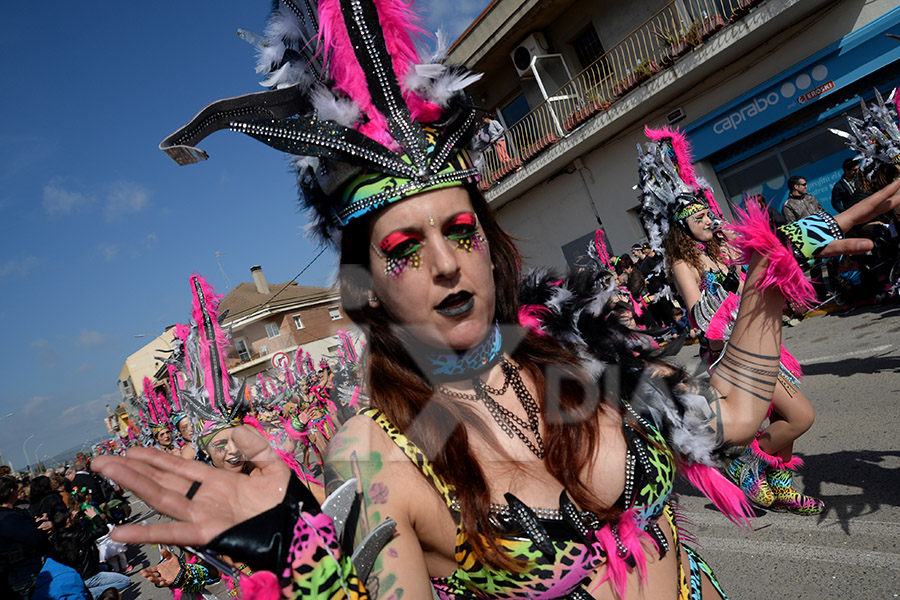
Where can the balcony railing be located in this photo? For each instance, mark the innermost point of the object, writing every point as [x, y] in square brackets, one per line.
[675, 30]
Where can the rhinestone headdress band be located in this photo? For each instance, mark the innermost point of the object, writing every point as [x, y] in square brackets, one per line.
[355, 105]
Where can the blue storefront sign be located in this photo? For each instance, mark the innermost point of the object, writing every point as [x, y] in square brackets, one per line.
[834, 67]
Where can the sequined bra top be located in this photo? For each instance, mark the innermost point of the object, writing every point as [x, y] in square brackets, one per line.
[568, 557]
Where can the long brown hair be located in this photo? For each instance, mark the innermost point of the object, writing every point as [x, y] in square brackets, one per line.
[680, 246]
[399, 389]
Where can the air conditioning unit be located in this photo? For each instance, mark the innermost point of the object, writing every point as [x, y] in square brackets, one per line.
[533, 45]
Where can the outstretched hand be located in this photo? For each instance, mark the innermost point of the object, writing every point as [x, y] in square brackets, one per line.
[863, 211]
[164, 573]
[222, 500]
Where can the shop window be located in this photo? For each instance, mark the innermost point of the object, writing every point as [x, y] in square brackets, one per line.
[272, 330]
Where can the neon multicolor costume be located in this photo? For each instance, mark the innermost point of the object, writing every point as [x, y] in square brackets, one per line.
[385, 128]
[671, 193]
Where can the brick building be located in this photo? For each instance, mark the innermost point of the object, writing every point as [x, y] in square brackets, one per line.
[267, 319]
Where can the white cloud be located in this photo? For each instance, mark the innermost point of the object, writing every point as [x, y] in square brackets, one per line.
[125, 198]
[46, 352]
[149, 240]
[85, 367]
[60, 201]
[35, 406]
[19, 267]
[92, 410]
[109, 251]
[91, 339]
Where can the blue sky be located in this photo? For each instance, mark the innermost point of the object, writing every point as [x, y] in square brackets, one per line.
[101, 230]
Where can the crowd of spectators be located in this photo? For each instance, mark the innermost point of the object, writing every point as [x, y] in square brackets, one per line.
[54, 541]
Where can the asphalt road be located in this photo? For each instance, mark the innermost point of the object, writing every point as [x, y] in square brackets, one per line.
[851, 363]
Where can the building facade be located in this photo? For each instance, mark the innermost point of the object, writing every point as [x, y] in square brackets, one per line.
[754, 83]
[267, 320]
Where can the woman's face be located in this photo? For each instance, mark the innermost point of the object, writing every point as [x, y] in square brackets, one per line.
[224, 453]
[699, 225]
[431, 268]
[164, 437]
[186, 429]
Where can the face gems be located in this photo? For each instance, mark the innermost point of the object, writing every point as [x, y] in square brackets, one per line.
[463, 229]
[431, 220]
[400, 251]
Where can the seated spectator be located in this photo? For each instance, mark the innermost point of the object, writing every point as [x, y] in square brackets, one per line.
[23, 544]
[75, 546]
[45, 501]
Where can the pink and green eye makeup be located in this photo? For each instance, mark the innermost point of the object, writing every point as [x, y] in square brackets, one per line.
[463, 229]
[401, 251]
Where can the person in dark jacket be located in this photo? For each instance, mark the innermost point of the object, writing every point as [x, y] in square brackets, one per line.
[844, 193]
[23, 544]
[45, 501]
[75, 546]
[85, 479]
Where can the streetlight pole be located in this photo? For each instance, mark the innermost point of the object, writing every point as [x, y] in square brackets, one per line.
[27, 462]
[1, 418]
[36, 450]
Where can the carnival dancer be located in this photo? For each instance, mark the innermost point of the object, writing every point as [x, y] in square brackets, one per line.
[876, 139]
[683, 213]
[535, 463]
[185, 429]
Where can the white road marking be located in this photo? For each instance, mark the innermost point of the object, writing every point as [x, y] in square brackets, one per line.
[866, 351]
[804, 552]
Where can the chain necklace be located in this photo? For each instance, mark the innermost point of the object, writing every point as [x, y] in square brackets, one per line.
[509, 422]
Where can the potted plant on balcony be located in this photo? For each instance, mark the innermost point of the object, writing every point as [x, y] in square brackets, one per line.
[710, 25]
[644, 70]
[678, 46]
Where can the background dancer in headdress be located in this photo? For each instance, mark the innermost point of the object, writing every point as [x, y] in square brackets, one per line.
[706, 277]
[531, 463]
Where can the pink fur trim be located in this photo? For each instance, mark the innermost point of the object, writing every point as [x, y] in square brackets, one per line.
[753, 234]
[530, 317]
[211, 301]
[297, 436]
[725, 315]
[793, 464]
[398, 24]
[632, 537]
[764, 456]
[602, 252]
[791, 364]
[726, 496]
[711, 201]
[262, 585]
[616, 569]
[682, 149]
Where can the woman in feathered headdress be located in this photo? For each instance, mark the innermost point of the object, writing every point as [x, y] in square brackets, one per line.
[705, 275]
[512, 462]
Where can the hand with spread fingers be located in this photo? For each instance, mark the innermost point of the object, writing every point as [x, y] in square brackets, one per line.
[202, 500]
[164, 573]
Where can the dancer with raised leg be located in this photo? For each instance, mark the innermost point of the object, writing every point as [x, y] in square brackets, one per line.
[682, 210]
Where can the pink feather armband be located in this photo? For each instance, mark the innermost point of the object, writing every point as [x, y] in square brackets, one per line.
[753, 234]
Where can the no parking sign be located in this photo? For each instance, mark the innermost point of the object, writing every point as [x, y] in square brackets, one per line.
[280, 360]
